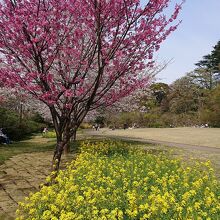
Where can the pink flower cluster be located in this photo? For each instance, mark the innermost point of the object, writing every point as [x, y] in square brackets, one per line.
[76, 53]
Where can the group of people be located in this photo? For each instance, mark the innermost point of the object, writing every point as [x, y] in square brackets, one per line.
[4, 139]
[96, 127]
[125, 126]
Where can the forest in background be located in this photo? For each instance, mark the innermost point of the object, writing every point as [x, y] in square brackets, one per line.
[192, 100]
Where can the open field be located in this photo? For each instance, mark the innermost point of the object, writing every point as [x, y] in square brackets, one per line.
[199, 143]
[204, 137]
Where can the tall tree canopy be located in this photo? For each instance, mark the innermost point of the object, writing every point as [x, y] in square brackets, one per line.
[184, 96]
[207, 75]
[212, 60]
[75, 55]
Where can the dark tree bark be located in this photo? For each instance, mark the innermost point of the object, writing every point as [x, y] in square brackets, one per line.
[74, 135]
[67, 142]
[57, 155]
[63, 145]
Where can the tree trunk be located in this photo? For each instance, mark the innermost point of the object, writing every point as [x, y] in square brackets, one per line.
[74, 135]
[67, 142]
[67, 148]
[67, 136]
[57, 155]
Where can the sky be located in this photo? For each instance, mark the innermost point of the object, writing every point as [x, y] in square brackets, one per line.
[194, 38]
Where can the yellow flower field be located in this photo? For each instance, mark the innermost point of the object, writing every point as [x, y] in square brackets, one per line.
[113, 181]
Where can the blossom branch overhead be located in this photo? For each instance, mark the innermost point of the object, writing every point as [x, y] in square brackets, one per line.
[75, 55]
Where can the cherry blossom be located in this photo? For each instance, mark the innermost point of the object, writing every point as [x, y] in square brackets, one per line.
[76, 55]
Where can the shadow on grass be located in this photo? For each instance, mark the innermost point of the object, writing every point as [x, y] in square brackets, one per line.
[37, 143]
[34, 144]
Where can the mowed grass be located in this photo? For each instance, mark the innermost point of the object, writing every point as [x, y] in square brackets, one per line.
[209, 137]
[34, 144]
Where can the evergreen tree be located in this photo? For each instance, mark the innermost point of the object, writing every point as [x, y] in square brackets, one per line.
[212, 60]
[207, 73]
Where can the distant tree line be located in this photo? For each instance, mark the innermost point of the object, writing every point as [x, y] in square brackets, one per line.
[189, 101]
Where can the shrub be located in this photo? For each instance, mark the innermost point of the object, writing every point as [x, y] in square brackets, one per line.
[211, 112]
[37, 118]
[153, 120]
[180, 120]
[49, 134]
[111, 181]
[16, 130]
[85, 125]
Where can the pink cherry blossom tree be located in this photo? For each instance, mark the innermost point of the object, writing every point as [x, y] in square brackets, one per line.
[76, 55]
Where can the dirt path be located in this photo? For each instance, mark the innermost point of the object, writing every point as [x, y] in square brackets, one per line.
[21, 175]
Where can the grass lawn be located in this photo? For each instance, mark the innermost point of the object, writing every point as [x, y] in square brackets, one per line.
[209, 137]
[197, 140]
[35, 144]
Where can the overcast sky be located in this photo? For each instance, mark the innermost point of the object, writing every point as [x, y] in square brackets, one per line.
[195, 37]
